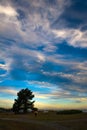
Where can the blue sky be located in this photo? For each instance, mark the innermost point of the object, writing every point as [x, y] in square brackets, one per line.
[43, 47]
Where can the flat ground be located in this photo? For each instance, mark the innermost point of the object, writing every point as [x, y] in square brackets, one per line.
[44, 121]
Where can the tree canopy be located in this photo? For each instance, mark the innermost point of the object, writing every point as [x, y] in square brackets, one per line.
[23, 101]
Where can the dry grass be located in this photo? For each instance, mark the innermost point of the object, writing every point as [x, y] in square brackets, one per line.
[74, 121]
[15, 125]
[51, 116]
[75, 125]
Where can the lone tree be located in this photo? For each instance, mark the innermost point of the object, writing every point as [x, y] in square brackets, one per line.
[23, 101]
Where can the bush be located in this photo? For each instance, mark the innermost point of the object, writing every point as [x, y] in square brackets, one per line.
[69, 112]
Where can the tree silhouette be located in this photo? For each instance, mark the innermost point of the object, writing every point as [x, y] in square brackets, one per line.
[23, 101]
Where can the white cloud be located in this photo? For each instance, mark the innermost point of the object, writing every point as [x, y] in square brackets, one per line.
[36, 29]
[8, 10]
[41, 57]
[82, 66]
[8, 91]
[41, 96]
[33, 23]
[42, 84]
[2, 66]
[74, 37]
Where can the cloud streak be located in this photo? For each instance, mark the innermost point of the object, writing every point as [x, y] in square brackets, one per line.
[8, 91]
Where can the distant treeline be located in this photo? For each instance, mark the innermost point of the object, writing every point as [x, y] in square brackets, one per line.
[5, 110]
[69, 112]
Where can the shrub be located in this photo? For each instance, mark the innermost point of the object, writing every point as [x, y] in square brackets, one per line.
[69, 112]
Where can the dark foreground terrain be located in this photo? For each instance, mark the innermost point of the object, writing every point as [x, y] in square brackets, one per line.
[43, 121]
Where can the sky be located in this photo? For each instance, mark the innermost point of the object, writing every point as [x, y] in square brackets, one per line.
[43, 47]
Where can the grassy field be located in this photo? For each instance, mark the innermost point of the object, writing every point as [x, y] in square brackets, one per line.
[9, 121]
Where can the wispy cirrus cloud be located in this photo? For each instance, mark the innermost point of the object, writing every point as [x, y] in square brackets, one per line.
[74, 37]
[8, 90]
[34, 26]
